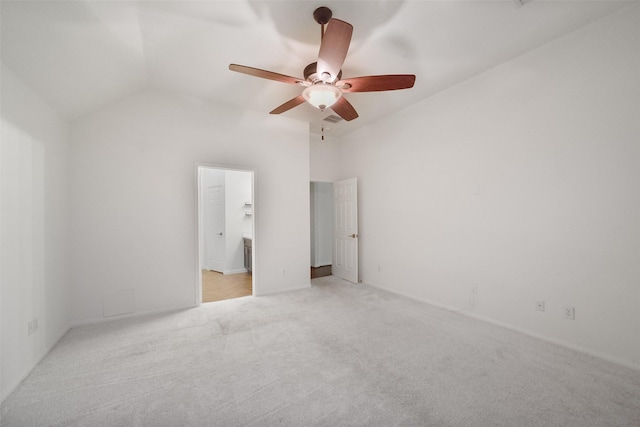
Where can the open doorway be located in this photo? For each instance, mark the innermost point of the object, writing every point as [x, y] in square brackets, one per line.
[334, 229]
[225, 233]
[321, 229]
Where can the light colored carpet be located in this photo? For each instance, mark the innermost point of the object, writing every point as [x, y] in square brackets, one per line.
[336, 354]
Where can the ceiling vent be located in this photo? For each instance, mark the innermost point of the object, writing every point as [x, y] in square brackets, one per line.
[333, 119]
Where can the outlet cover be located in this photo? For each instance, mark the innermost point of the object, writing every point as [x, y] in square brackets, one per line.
[540, 305]
[569, 313]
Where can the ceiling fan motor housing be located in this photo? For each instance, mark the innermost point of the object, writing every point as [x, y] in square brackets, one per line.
[311, 74]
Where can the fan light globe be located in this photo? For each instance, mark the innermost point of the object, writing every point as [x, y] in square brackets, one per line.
[322, 95]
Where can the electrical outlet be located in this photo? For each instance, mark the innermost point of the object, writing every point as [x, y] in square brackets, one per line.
[32, 327]
[569, 313]
[540, 305]
[474, 288]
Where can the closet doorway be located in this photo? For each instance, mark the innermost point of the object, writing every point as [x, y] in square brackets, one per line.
[225, 233]
[334, 229]
[321, 228]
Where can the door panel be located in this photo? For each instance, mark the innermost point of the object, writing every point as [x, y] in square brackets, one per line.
[345, 233]
[214, 228]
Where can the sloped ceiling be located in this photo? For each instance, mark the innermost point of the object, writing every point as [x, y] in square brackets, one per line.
[82, 55]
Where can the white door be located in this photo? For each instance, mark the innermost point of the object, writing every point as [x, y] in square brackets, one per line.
[214, 228]
[345, 229]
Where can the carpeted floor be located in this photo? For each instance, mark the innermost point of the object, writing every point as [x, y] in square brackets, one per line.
[336, 354]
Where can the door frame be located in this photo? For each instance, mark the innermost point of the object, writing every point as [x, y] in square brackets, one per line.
[198, 226]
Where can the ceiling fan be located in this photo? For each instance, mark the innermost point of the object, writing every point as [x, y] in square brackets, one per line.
[323, 82]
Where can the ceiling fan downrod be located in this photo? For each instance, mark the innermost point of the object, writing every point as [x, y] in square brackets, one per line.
[322, 15]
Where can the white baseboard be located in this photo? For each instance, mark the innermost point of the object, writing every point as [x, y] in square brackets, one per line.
[241, 270]
[321, 262]
[542, 337]
[12, 387]
[279, 291]
[96, 320]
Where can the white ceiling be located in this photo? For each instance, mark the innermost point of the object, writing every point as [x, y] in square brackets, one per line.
[82, 55]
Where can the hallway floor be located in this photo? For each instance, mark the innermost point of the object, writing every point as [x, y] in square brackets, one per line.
[217, 286]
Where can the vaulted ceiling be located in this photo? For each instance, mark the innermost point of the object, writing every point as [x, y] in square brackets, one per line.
[82, 55]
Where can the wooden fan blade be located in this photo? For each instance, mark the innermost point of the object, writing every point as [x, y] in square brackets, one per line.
[333, 49]
[377, 83]
[264, 74]
[288, 105]
[344, 109]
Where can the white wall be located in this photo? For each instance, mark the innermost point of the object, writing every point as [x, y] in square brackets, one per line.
[134, 198]
[323, 159]
[34, 230]
[522, 181]
[321, 223]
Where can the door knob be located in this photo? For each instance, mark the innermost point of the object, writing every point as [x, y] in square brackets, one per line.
[353, 236]
[220, 234]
